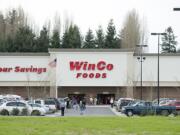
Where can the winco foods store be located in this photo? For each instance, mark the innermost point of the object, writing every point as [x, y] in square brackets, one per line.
[100, 73]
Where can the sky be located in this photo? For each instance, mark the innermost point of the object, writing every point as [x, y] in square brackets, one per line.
[156, 14]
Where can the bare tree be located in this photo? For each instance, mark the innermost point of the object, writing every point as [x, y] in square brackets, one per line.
[133, 32]
[12, 21]
[57, 23]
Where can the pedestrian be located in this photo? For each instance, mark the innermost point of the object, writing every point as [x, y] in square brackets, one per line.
[112, 102]
[82, 106]
[91, 100]
[95, 101]
[62, 106]
[75, 104]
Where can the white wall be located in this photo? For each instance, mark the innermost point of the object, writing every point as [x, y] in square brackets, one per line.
[126, 69]
[116, 77]
[24, 62]
[169, 74]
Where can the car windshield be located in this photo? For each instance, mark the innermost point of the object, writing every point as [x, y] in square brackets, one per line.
[136, 103]
[35, 105]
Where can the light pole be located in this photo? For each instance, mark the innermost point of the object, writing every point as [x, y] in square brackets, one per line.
[141, 59]
[158, 34]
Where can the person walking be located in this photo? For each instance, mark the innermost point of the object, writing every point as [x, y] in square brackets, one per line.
[62, 106]
[91, 100]
[82, 106]
[112, 102]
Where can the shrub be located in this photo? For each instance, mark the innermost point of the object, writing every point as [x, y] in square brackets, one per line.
[4, 112]
[15, 111]
[35, 113]
[24, 112]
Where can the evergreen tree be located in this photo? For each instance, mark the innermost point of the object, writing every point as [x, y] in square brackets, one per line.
[71, 37]
[111, 39]
[99, 40]
[169, 43]
[42, 43]
[55, 40]
[66, 40]
[89, 40]
[24, 40]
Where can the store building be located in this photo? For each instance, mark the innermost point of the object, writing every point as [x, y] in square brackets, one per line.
[100, 73]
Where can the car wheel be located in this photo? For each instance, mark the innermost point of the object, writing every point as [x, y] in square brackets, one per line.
[4, 112]
[129, 113]
[143, 113]
[164, 112]
[35, 113]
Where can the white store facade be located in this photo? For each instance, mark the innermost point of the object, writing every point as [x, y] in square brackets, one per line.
[100, 73]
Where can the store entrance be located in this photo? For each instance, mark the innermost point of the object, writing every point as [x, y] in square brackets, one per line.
[104, 98]
[78, 97]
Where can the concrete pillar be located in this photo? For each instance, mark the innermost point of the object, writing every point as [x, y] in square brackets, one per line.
[130, 75]
[53, 91]
[118, 93]
[52, 77]
[129, 92]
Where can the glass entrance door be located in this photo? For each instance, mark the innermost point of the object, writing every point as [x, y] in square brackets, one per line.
[104, 98]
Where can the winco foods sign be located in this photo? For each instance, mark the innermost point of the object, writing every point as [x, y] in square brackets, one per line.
[85, 69]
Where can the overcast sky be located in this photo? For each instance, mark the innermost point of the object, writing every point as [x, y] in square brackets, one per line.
[158, 14]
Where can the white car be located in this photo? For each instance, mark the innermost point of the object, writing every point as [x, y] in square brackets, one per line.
[9, 106]
[48, 103]
[40, 107]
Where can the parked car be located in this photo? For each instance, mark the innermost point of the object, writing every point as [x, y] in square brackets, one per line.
[64, 100]
[162, 101]
[47, 102]
[40, 108]
[175, 103]
[144, 108]
[57, 104]
[123, 102]
[10, 97]
[20, 105]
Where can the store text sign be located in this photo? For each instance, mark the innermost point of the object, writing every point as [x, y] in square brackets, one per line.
[91, 70]
[19, 69]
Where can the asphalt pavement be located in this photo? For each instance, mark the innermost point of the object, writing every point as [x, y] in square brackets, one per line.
[90, 111]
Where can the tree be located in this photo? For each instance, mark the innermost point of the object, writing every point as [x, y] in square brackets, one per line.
[72, 37]
[2, 26]
[24, 40]
[89, 40]
[132, 33]
[9, 26]
[168, 41]
[15, 18]
[42, 43]
[99, 40]
[111, 39]
[55, 40]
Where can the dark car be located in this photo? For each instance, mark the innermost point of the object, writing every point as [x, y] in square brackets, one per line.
[57, 104]
[123, 102]
[144, 108]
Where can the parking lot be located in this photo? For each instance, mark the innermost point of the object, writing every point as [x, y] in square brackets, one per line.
[103, 110]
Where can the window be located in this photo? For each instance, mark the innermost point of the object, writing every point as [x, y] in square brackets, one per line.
[141, 104]
[49, 102]
[178, 103]
[35, 105]
[148, 103]
[21, 104]
[11, 104]
[38, 102]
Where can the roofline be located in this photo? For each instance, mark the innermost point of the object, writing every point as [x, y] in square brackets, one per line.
[89, 50]
[23, 54]
[156, 54]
